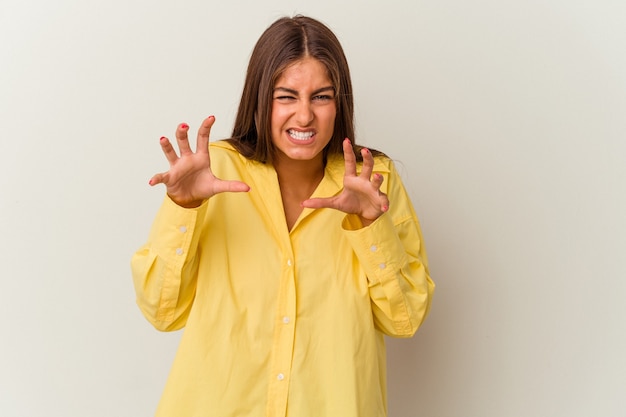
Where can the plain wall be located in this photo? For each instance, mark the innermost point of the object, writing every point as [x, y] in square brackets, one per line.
[506, 118]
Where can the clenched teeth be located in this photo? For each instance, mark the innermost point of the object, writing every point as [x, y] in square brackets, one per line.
[300, 135]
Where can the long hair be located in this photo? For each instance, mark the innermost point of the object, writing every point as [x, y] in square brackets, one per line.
[283, 43]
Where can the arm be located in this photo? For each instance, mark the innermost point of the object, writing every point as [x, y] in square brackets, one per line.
[384, 232]
[165, 268]
[392, 254]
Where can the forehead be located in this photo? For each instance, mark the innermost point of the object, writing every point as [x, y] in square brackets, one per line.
[304, 72]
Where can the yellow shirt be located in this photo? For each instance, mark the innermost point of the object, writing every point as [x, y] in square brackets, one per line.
[279, 322]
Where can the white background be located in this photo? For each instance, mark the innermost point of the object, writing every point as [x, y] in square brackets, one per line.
[507, 119]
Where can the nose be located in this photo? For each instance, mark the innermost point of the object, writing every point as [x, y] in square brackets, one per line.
[304, 113]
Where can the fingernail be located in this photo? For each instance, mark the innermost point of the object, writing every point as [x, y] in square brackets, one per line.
[184, 126]
[385, 208]
[366, 150]
[150, 182]
[162, 138]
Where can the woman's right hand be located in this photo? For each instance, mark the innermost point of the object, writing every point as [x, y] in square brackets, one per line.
[189, 180]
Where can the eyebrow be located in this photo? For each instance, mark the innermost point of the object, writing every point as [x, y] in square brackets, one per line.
[295, 93]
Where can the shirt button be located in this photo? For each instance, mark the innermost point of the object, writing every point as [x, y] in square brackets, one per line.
[280, 377]
[289, 262]
[179, 251]
[183, 229]
[286, 320]
[373, 248]
[382, 266]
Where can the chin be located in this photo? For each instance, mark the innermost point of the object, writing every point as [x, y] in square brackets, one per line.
[299, 155]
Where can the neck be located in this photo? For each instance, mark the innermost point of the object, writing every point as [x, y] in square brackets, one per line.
[297, 181]
[303, 175]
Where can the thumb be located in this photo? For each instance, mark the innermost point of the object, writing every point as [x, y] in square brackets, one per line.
[231, 186]
[316, 203]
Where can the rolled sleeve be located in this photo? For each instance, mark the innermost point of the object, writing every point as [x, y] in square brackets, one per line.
[163, 269]
[400, 288]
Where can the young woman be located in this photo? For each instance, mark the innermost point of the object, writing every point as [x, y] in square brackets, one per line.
[286, 252]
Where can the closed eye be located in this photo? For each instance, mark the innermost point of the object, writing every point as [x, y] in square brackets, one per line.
[285, 98]
[322, 98]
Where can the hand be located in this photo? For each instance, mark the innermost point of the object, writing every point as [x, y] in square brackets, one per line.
[361, 194]
[190, 180]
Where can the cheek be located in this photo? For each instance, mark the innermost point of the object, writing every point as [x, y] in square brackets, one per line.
[330, 117]
[274, 123]
[277, 119]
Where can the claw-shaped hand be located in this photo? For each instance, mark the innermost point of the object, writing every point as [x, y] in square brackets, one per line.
[189, 180]
[361, 193]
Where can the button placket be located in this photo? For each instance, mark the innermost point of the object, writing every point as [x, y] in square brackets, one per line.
[284, 337]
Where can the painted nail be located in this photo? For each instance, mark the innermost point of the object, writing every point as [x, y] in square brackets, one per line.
[184, 126]
[162, 138]
[385, 208]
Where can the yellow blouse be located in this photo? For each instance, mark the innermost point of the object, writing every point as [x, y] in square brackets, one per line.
[279, 322]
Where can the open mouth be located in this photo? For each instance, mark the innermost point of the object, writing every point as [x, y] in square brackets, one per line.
[294, 134]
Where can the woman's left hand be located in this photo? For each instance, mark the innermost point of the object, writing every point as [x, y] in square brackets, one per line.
[361, 193]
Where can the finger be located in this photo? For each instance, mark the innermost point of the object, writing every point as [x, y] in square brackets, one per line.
[384, 206]
[317, 203]
[377, 181]
[160, 178]
[231, 186]
[349, 158]
[368, 163]
[182, 139]
[202, 143]
[168, 150]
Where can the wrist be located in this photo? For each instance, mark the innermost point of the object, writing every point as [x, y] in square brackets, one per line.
[366, 222]
[185, 203]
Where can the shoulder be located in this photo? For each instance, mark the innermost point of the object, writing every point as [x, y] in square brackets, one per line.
[222, 146]
[382, 164]
[227, 162]
[222, 150]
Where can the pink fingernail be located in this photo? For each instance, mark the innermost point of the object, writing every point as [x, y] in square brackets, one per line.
[150, 182]
[385, 208]
[184, 126]
[162, 138]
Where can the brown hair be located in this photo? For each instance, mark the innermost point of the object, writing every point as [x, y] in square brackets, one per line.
[286, 41]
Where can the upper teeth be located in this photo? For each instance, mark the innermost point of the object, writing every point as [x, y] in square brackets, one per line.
[300, 135]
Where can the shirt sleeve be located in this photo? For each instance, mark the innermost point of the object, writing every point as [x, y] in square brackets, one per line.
[165, 268]
[393, 256]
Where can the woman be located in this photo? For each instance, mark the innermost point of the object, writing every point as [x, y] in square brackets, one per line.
[288, 252]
